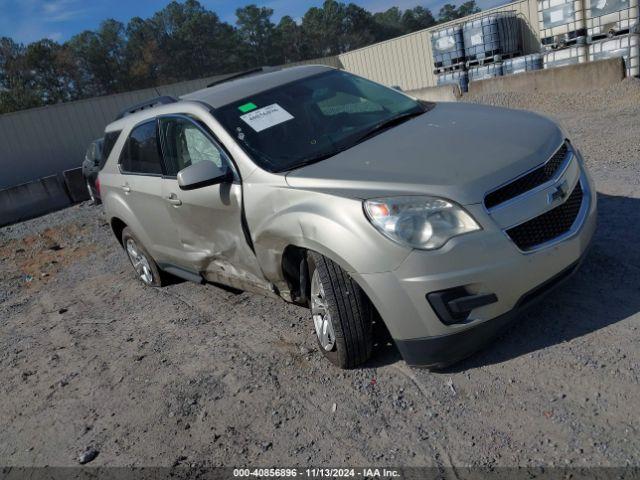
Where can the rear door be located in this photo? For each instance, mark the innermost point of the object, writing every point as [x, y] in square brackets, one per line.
[141, 185]
[209, 220]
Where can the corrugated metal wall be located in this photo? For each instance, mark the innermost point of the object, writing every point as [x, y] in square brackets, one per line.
[46, 141]
[407, 61]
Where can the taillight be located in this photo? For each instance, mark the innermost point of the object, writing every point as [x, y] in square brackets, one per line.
[98, 185]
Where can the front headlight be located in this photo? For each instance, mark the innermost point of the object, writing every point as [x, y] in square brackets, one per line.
[419, 222]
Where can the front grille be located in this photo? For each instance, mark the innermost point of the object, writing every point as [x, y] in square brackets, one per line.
[536, 177]
[549, 225]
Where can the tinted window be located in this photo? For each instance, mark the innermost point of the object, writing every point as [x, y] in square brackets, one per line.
[185, 143]
[141, 153]
[108, 142]
[312, 118]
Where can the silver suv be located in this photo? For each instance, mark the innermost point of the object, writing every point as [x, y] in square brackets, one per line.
[333, 192]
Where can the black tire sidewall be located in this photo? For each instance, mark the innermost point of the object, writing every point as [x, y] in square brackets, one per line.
[338, 355]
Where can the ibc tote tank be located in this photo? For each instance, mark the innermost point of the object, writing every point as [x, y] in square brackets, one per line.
[625, 46]
[482, 72]
[458, 77]
[496, 35]
[561, 22]
[447, 47]
[565, 56]
[611, 17]
[525, 63]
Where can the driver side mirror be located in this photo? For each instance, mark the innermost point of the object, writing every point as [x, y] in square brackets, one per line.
[203, 174]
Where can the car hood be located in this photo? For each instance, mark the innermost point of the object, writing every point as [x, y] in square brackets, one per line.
[455, 150]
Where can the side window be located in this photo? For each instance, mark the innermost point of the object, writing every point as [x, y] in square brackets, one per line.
[185, 144]
[141, 153]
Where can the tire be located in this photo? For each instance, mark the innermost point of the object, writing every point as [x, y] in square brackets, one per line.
[350, 313]
[144, 266]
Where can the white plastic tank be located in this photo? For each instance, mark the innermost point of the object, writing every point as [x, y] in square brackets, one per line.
[447, 46]
[611, 17]
[458, 77]
[625, 46]
[525, 63]
[492, 36]
[482, 72]
[565, 56]
[561, 22]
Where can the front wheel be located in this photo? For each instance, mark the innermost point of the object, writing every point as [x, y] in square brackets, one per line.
[341, 312]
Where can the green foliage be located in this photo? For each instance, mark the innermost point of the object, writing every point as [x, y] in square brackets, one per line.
[184, 40]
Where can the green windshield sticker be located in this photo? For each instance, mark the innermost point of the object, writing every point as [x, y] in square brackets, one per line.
[247, 107]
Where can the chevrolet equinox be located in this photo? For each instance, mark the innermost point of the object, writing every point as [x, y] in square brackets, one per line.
[442, 220]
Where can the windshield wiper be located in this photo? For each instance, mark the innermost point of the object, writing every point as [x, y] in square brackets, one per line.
[373, 131]
[387, 124]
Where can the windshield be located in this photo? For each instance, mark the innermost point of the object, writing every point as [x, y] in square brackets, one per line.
[313, 118]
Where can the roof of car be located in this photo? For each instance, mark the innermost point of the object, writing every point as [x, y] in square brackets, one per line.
[228, 92]
[225, 92]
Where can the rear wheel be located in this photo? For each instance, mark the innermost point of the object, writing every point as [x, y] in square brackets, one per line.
[143, 264]
[341, 312]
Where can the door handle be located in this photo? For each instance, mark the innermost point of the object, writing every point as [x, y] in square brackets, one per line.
[126, 188]
[174, 200]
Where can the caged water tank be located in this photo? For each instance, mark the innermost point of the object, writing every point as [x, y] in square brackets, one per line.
[458, 77]
[625, 46]
[565, 56]
[561, 22]
[611, 17]
[447, 46]
[482, 72]
[492, 37]
[526, 63]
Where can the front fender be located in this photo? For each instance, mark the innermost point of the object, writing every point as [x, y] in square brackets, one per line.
[333, 226]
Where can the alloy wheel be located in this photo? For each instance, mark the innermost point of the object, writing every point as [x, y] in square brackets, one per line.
[139, 261]
[321, 314]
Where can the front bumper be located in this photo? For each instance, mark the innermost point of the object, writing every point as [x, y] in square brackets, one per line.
[484, 262]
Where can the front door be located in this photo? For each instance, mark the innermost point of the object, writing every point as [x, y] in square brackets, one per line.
[209, 220]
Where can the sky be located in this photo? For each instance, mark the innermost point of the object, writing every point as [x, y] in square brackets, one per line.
[29, 20]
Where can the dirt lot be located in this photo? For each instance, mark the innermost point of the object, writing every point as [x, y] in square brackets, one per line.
[195, 374]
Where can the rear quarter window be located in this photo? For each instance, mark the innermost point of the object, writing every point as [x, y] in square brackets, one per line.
[109, 141]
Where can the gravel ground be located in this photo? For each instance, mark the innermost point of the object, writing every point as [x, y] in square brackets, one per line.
[198, 375]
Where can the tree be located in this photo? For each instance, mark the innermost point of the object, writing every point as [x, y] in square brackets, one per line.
[257, 34]
[289, 41]
[15, 93]
[100, 59]
[449, 12]
[468, 8]
[184, 40]
[417, 18]
[389, 23]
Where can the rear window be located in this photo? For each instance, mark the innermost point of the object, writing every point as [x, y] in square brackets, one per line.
[141, 153]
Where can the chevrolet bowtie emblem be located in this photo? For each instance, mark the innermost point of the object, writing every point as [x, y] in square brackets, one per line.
[560, 192]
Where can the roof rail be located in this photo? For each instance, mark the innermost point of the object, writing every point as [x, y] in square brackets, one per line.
[163, 100]
[245, 73]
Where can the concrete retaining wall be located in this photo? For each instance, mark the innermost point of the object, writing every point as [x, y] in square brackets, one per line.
[32, 199]
[443, 93]
[572, 79]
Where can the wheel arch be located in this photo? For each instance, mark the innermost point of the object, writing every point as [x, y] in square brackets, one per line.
[117, 227]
